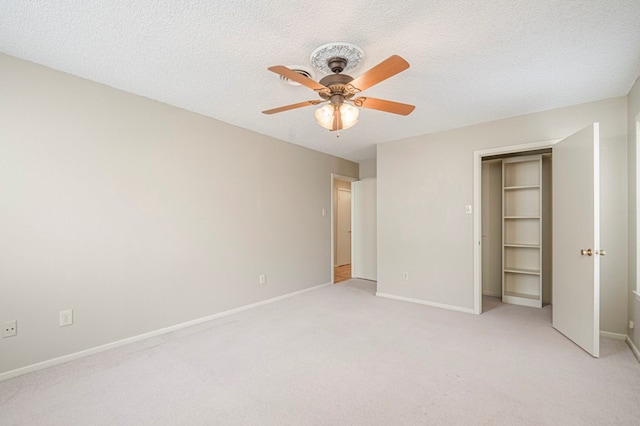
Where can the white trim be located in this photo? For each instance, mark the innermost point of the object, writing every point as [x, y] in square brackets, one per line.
[617, 336]
[477, 208]
[76, 355]
[637, 168]
[633, 347]
[424, 302]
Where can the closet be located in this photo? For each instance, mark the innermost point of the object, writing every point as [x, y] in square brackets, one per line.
[516, 228]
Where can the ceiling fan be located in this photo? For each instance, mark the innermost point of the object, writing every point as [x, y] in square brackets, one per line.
[340, 91]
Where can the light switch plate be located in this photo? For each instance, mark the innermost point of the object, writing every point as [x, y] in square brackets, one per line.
[66, 317]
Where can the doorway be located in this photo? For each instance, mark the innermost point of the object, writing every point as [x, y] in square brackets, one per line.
[575, 236]
[516, 228]
[479, 156]
[341, 228]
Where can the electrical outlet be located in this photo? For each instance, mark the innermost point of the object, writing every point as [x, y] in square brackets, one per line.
[405, 276]
[9, 328]
[631, 324]
[468, 209]
[66, 317]
[324, 212]
[262, 279]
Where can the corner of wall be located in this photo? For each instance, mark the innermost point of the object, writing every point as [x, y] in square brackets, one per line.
[633, 110]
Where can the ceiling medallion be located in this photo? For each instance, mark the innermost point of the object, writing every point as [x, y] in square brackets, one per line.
[350, 52]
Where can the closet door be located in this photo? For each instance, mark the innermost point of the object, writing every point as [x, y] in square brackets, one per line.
[522, 230]
[576, 238]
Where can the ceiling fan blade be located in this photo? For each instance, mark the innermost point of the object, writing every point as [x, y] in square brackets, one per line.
[293, 106]
[382, 105]
[385, 69]
[298, 78]
[337, 120]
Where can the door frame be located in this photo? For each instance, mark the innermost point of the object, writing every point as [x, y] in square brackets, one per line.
[477, 203]
[335, 177]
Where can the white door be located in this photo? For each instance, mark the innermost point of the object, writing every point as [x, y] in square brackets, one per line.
[365, 246]
[343, 246]
[576, 273]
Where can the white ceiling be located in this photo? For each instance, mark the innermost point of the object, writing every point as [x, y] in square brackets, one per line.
[471, 61]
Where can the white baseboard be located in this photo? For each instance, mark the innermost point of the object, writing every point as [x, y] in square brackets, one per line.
[424, 302]
[617, 336]
[633, 347]
[76, 355]
[620, 336]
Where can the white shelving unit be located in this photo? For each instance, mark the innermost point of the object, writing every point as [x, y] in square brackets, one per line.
[522, 230]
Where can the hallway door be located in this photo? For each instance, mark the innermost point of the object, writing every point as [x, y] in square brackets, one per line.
[343, 226]
[365, 246]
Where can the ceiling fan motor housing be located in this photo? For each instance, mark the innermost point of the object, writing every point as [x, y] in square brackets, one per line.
[337, 64]
[337, 84]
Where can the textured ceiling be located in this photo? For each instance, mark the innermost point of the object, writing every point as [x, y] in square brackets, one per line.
[471, 61]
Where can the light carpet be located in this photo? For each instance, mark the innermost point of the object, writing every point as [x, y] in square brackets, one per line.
[340, 355]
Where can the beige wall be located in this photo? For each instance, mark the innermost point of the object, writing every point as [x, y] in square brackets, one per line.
[492, 228]
[138, 215]
[633, 108]
[368, 169]
[424, 183]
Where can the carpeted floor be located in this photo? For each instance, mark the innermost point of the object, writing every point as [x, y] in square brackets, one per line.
[341, 356]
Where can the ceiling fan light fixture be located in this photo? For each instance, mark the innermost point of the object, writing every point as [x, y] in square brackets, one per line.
[339, 89]
[324, 116]
[348, 113]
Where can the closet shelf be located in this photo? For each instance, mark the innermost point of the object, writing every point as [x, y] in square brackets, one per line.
[522, 271]
[522, 295]
[512, 188]
[522, 230]
[522, 217]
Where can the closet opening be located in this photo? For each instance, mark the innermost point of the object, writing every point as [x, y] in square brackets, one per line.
[516, 228]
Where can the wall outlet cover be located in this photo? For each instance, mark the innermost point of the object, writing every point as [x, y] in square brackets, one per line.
[9, 328]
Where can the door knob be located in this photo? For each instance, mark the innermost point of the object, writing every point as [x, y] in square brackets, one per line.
[601, 252]
[588, 252]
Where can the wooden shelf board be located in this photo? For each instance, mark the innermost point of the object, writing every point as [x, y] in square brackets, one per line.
[521, 217]
[522, 295]
[522, 271]
[512, 188]
[522, 301]
[522, 245]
